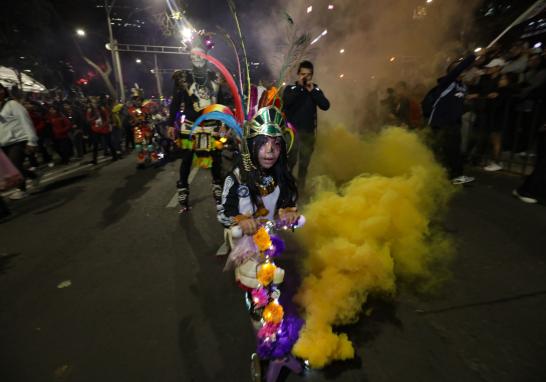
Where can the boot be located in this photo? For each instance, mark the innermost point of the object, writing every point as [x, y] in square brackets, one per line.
[217, 193]
[183, 198]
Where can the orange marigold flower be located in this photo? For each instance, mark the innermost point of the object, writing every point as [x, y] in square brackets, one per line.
[273, 313]
[262, 239]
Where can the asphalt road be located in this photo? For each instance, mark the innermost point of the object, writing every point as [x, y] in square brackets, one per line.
[102, 280]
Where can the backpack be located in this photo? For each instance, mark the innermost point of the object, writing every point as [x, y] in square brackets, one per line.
[428, 104]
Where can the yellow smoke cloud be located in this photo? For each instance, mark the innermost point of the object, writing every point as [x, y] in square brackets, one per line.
[368, 226]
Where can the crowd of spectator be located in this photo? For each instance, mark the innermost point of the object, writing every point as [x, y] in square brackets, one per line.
[498, 119]
[57, 129]
[505, 92]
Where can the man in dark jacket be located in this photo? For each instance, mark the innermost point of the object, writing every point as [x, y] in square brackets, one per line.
[445, 119]
[300, 105]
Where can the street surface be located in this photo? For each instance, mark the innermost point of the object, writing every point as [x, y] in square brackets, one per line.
[102, 280]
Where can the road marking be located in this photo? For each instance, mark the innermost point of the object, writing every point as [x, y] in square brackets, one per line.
[174, 200]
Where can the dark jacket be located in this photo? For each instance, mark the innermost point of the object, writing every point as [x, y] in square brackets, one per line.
[449, 108]
[300, 106]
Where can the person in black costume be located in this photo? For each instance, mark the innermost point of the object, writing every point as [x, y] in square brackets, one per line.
[194, 90]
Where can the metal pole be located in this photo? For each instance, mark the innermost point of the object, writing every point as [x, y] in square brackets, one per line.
[120, 74]
[115, 54]
[157, 77]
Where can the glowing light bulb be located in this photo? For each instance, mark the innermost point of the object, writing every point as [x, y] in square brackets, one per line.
[309, 9]
[186, 33]
[330, 6]
[342, 51]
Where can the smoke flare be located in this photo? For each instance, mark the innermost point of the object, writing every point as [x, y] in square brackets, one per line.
[367, 234]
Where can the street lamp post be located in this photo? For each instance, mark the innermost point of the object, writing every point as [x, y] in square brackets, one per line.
[115, 53]
[157, 78]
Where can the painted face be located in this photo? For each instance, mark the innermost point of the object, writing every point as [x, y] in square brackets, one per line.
[198, 61]
[269, 152]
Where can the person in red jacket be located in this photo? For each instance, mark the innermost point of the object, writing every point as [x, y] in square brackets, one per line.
[98, 117]
[60, 127]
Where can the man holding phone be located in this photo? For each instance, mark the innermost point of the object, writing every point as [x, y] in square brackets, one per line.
[300, 102]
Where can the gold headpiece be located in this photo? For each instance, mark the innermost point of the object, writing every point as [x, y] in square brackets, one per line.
[267, 121]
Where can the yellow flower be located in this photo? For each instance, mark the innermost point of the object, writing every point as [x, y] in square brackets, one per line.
[273, 313]
[265, 273]
[262, 239]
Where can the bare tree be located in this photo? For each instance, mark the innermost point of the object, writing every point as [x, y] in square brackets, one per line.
[105, 75]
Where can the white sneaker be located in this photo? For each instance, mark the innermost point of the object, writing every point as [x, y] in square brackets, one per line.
[462, 179]
[524, 199]
[18, 194]
[493, 166]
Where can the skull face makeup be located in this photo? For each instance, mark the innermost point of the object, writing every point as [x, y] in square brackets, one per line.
[196, 60]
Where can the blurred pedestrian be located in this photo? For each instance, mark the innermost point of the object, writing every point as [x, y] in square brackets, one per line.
[117, 126]
[485, 94]
[517, 59]
[98, 117]
[60, 126]
[17, 137]
[444, 106]
[533, 189]
[128, 128]
[76, 133]
[300, 105]
[402, 109]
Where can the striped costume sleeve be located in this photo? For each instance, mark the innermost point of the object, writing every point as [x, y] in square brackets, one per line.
[230, 202]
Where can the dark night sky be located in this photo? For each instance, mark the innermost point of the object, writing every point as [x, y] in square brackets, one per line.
[48, 28]
[204, 14]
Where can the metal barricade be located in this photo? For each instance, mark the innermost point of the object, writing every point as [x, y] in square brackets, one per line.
[522, 119]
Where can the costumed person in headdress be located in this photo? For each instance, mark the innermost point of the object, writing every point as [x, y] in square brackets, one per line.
[259, 198]
[142, 115]
[194, 90]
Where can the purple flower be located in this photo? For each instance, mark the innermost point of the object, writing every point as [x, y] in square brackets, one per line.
[277, 246]
[286, 337]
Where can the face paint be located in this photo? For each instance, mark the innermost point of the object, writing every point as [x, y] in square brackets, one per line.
[197, 61]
